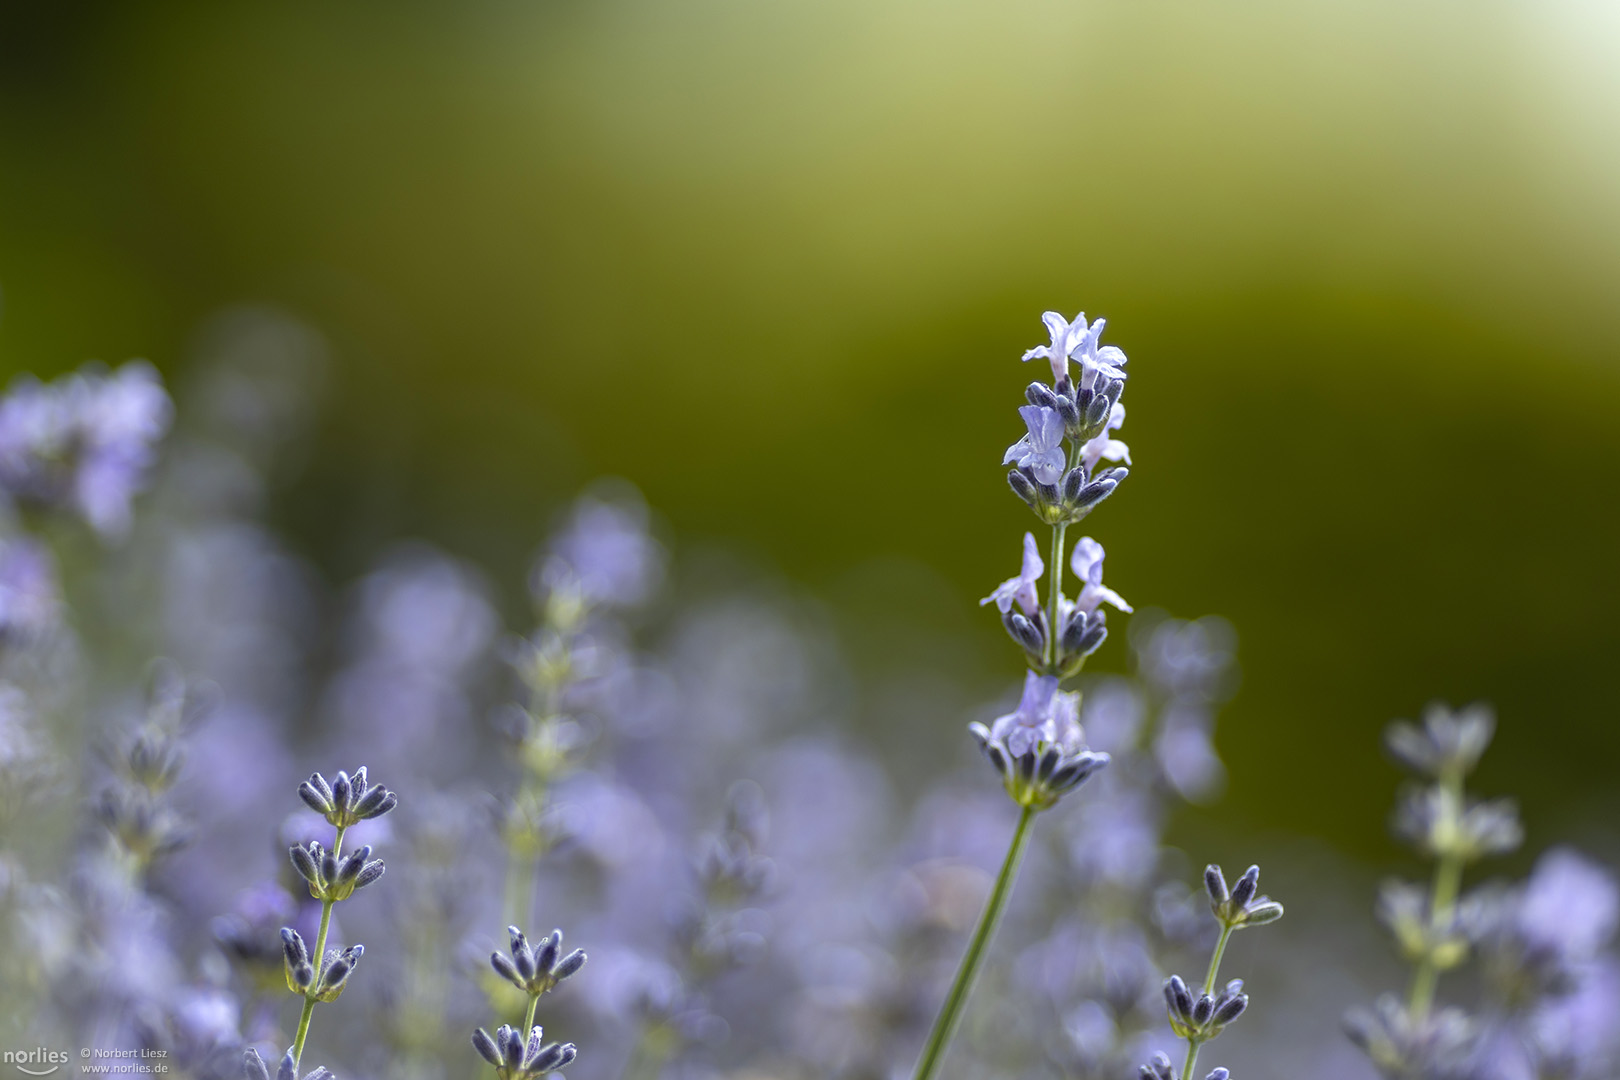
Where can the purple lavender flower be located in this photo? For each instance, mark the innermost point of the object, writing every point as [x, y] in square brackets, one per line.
[1107, 361]
[120, 424]
[1087, 563]
[1039, 748]
[606, 552]
[30, 600]
[1570, 904]
[1041, 451]
[1034, 720]
[1066, 338]
[1021, 588]
[84, 442]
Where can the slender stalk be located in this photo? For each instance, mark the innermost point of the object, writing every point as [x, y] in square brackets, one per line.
[1209, 988]
[1443, 899]
[1053, 630]
[1215, 960]
[320, 959]
[528, 1017]
[950, 1014]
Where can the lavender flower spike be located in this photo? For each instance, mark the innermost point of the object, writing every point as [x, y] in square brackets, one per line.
[1066, 337]
[1041, 451]
[1087, 563]
[1021, 588]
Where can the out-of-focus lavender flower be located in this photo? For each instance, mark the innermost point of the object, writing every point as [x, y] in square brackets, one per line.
[1185, 752]
[1576, 1036]
[1041, 451]
[1021, 588]
[1446, 742]
[1117, 840]
[1407, 1047]
[1570, 904]
[1188, 659]
[606, 552]
[422, 628]
[27, 766]
[83, 442]
[30, 599]
[1087, 563]
[1101, 446]
[1112, 713]
[1539, 942]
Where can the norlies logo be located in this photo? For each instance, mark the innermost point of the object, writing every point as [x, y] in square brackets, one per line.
[36, 1062]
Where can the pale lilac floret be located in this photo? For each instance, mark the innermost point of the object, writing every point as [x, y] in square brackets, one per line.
[1021, 588]
[84, 441]
[1107, 361]
[1571, 904]
[1041, 451]
[607, 552]
[1102, 446]
[123, 418]
[1022, 728]
[1087, 563]
[1066, 338]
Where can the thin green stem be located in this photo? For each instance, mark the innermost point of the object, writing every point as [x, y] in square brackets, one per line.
[1209, 988]
[950, 1014]
[528, 1017]
[1215, 960]
[319, 959]
[1053, 630]
[1443, 899]
[1191, 1059]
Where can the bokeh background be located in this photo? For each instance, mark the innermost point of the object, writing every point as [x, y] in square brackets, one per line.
[775, 264]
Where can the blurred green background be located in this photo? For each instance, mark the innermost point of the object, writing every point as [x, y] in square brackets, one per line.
[775, 263]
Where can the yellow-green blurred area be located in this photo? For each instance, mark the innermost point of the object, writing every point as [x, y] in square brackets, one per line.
[776, 262]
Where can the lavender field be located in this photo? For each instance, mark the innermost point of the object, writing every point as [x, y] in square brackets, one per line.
[598, 541]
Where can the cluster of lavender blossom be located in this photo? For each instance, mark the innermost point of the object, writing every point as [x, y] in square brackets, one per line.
[1550, 997]
[679, 785]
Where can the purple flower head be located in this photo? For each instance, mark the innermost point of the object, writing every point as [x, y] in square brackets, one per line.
[607, 553]
[1043, 715]
[1107, 361]
[29, 597]
[84, 442]
[1570, 905]
[1087, 563]
[1186, 754]
[1066, 338]
[1192, 659]
[1101, 446]
[1041, 451]
[121, 421]
[1021, 588]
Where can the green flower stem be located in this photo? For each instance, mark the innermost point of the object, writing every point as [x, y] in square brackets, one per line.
[1215, 960]
[1447, 883]
[528, 1017]
[1053, 630]
[319, 959]
[1209, 988]
[950, 1014]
